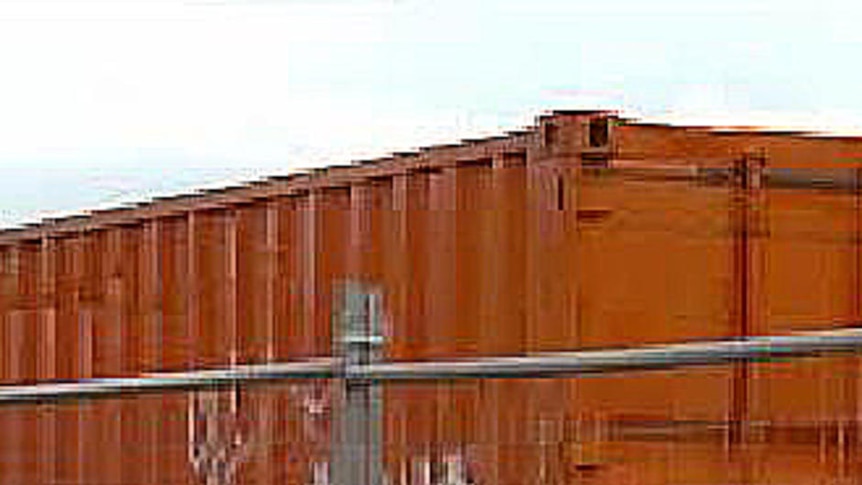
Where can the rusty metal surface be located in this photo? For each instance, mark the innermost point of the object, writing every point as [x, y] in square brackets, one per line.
[523, 231]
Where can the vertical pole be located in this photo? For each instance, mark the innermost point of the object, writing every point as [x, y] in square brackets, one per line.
[746, 194]
[357, 434]
[741, 200]
[850, 437]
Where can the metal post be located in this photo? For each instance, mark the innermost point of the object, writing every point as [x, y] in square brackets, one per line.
[357, 433]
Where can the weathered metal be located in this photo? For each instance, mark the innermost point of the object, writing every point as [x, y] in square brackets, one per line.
[582, 232]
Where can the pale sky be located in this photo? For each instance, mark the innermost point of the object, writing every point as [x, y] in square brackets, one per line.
[111, 101]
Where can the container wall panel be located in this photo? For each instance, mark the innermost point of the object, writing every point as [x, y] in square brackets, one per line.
[287, 295]
[148, 409]
[413, 210]
[67, 269]
[549, 248]
[255, 250]
[290, 450]
[13, 453]
[7, 440]
[252, 283]
[330, 224]
[473, 220]
[87, 286]
[465, 217]
[46, 353]
[401, 325]
[210, 295]
[176, 338]
[314, 230]
[177, 334]
[8, 297]
[411, 410]
[372, 259]
[68, 359]
[25, 330]
[129, 269]
[552, 273]
[502, 251]
[102, 294]
[654, 271]
[511, 397]
[369, 205]
[440, 300]
[440, 289]
[376, 255]
[809, 282]
[151, 292]
[99, 304]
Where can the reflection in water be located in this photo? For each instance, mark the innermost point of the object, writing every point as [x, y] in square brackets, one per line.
[219, 439]
[448, 469]
[552, 449]
[320, 473]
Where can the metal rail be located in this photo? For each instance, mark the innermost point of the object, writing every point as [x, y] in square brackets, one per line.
[656, 357]
[163, 382]
[577, 363]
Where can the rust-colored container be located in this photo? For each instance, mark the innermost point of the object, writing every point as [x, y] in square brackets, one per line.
[584, 231]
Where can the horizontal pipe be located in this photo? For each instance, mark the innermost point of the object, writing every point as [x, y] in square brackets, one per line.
[163, 382]
[576, 363]
[657, 357]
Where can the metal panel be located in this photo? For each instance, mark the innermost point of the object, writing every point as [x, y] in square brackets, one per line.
[532, 254]
[46, 353]
[251, 286]
[254, 254]
[104, 258]
[12, 420]
[177, 342]
[130, 269]
[149, 336]
[410, 410]
[211, 270]
[288, 297]
[503, 420]
[24, 353]
[68, 363]
[177, 334]
[414, 214]
[670, 264]
[808, 233]
[331, 219]
[291, 336]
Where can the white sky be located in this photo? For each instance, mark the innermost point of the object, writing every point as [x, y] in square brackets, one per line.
[108, 101]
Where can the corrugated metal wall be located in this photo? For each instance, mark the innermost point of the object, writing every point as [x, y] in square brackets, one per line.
[499, 247]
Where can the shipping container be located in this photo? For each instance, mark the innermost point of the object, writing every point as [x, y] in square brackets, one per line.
[586, 230]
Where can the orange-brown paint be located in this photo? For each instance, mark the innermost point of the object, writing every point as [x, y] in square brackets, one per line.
[501, 246]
